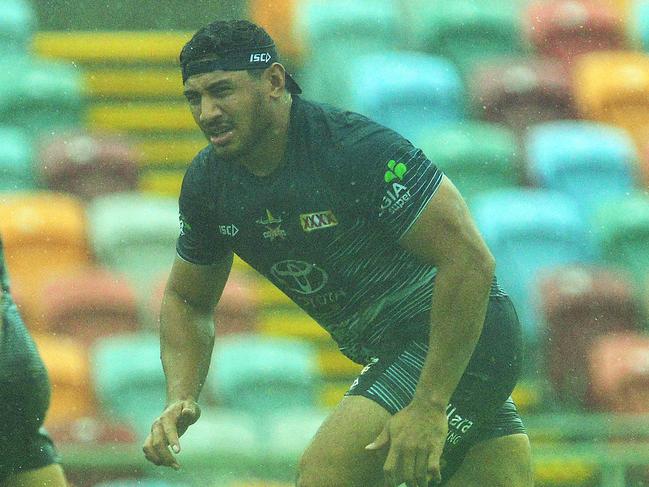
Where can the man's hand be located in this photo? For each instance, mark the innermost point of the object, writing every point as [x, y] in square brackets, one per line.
[416, 437]
[166, 430]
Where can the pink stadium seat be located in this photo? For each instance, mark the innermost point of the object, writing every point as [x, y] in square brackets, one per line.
[237, 311]
[580, 304]
[44, 237]
[89, 304]
[619, 373]
[521, 92]
[88, 165]
[565, 29]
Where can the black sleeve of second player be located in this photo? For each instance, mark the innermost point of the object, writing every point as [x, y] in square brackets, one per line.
[199, 241]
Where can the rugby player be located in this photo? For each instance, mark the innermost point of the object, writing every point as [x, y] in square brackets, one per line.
[28, 457]
[369, 238]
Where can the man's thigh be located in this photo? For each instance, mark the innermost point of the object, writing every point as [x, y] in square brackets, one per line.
[500, 462]
[49, 476]
[336, 456]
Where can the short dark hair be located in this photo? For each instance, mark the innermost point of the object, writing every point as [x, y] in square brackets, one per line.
[221, 36]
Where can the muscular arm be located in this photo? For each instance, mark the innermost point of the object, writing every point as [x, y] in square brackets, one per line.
[445, 235]
[186, 327]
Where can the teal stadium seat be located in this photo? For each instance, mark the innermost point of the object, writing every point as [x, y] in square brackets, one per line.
[335, 32]
[587, 161]
[622, 230]
[477, 156]
[42, 97]
[17, 25]
[530, 230]
[135, 235]
[639, 23]
[469, 32]
[263, 375]
[406, 91]
[16, 156]
[140, 483]
[128, 377]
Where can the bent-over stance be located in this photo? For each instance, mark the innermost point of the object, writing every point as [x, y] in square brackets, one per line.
[369, 238]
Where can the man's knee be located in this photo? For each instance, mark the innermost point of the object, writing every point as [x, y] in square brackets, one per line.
[311, 473]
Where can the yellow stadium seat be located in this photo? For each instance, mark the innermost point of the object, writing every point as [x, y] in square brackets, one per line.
[169, 151]
[293, 324]
[270, 296]
[613, 87]
[44, 236]
[133, 82]
[141, 117]
[149, 47]
[161, 182]
[527, 396]
[333, 364]
[564, 472]
[331, 393]
[68, 368]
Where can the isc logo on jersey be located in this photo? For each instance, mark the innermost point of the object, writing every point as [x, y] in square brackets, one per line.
[262, 57]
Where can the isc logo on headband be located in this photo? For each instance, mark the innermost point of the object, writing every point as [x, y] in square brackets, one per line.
[260, 57]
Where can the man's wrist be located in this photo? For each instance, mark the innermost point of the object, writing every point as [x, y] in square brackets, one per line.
[430, 403]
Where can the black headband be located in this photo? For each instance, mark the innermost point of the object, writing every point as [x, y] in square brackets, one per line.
[257, 58]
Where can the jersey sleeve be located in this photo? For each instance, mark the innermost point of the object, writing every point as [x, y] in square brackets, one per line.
[199, 241]
[393, 180]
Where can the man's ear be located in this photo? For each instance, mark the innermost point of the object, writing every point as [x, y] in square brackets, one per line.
[275, 76]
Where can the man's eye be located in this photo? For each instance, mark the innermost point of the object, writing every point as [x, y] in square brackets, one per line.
[193, 99]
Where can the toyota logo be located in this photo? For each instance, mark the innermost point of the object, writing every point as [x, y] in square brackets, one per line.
[300, 277]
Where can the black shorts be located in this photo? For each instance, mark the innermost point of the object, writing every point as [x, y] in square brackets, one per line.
[24, 399]
[481, 407]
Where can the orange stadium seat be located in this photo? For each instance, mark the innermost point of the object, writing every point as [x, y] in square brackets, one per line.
[619, 373]
[44, 235]
[521, 92]
[578, 305]
[89, 304]
[278, 18]
[88, 165]
[613, 87]
[67, 363]
[565, 29]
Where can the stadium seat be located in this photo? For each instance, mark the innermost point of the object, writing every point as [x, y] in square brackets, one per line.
[613, 87]
[407, 92]
[521, 92]
[566, 29]
[291, 323]
[278, 18]
[128, 378]
[48, 100]
[335, 32]
[578, 305]
[140, 482]
[469, 32]
[16, 154]
[17, 25]
[92, 432]
[67, 363]
[88, 165]
[164, 182]
[290, 434]
[622, 231]
[236, 311]
[477, 156]
[44, 237]
[639, 23]
[89, 304]
[529, 230]
[135, 235]
[259, 375]
[589, 162]
[619, 373]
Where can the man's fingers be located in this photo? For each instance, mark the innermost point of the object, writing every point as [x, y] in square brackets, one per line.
[434, 470]
[421, 468]
[149, 452]
[170, 433]
[406, 469]
[390, 468]
[160, 445]
[382, 440]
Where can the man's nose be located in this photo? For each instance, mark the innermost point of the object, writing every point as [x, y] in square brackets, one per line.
[210, 110]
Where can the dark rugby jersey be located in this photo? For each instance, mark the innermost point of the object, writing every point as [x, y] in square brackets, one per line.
[4, 284]
[324, 227]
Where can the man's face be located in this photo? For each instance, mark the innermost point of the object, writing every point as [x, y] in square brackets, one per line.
[230, 109]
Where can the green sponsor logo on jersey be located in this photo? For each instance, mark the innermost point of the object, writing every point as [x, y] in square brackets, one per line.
[395, 171]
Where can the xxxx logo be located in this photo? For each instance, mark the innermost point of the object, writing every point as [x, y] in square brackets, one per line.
[395, 171]
[318, 220]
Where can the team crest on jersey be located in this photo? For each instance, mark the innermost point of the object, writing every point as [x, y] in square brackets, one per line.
[273, 226]
[317, 221]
